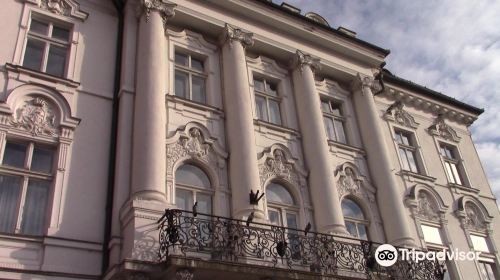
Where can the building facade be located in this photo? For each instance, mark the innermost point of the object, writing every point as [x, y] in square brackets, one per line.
[280, 147]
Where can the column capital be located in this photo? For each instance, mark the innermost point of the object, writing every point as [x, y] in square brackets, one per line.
[363, 82]
[166, 9]
[302, 59]
[232, 33]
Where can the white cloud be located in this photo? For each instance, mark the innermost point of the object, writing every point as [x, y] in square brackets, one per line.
[452, 46]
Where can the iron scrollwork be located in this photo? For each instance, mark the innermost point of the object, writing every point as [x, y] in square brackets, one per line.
[232, 240]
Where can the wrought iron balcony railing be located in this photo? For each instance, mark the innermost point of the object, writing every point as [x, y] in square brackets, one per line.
[237, 241]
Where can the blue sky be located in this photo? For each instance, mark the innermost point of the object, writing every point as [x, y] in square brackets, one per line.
[452, 46]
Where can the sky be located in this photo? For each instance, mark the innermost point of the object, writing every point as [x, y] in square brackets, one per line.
[451, 46]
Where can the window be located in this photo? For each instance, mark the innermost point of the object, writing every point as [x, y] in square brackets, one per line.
[25, 180]
[267, 102]
[451, 164]
[190, 78]
[47, 47]
[479, 243]
[431, 234]
[486, 271]
[193, 185]
[355, 221]
[334, 121]
[407, 150]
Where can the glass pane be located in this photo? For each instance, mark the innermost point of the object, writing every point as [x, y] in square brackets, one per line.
[325, 106]
[42, 160]
[57, 61]
[479, 243]
[274, 112]
[198, 89]
[60, 33]
[271, 89]
[15, 154]
[258, 85]
[291, 220]
[399, 139]
[181, 84]
[405, 139]
[404, 159]
[197, 64]
[33, 55]
[488, 268]
[330, 129]
[339, 128]
[336, 109]
[449, 173]
[260, 105]
[274, 217]
[192, 176]
[204, 203]
[181, 59]
[278, 193]
[351, 209]
[455, 174]
[184, 199]
[35, 207]
[10, 190]
[411, 161]
[362, 232]
[39, 27]
[431, 234]
[351, 228]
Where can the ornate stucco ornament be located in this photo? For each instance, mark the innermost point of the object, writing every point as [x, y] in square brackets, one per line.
[443, 130]
[36, 116]
[184, 274]
[398, 114]
[363, 82]
[473, 220]
[165, 9]
[277, 162]
[426, 209]
[302, 59]
[348, 182]
[232, 34]
[69, 8]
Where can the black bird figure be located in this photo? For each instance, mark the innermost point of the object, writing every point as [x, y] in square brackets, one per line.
[254, 197]
[307, 229]
[250, 218]
[195, 210]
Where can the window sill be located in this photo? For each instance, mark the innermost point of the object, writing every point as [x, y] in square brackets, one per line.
[20, 237]
[193, 104]
[417, 175]
[275, 127]
[346, 147]
[41, 75]
[463, 188]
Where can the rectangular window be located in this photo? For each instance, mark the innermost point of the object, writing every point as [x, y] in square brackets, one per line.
[25, 180]
[47, 47]
[431, 234]
[451, 164]
[407, 151]
[334, 121]
[487, 271]
[267, 101]
[190, 78]
[479, 243]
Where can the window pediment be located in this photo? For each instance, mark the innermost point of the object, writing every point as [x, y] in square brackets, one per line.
[396, 113]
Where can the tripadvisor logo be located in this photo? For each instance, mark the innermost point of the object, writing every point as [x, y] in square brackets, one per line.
[387, 255]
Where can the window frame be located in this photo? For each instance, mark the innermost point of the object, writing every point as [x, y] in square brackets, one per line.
[411, 147]
[267, 97]
[191, 72]
[195, 190]
[26, 174]
[283, 208]
[357, 222]
[331, 116]
[454, 161]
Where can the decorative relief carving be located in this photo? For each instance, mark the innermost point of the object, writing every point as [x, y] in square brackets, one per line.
[443, 130]
[302, 59]
[69, 8]
[425, 208]
[473, 218]
[36, 116]
[236, 34]
[165, 9]
[348, 182]
[192, 142]
[184, 274]
[363, 82]
[277, 162]
[398, 114]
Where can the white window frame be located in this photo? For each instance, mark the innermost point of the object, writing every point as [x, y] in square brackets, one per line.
[456, 161]
[410, 147]
[267, 97]
[334, 117]
[191, 73]
[195, 190]
[357, 222]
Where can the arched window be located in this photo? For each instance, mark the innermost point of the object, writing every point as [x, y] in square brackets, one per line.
[355, 221]
[193, 185]
[281, 207]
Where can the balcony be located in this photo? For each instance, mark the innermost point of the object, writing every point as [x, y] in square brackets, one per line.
[237, 246]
